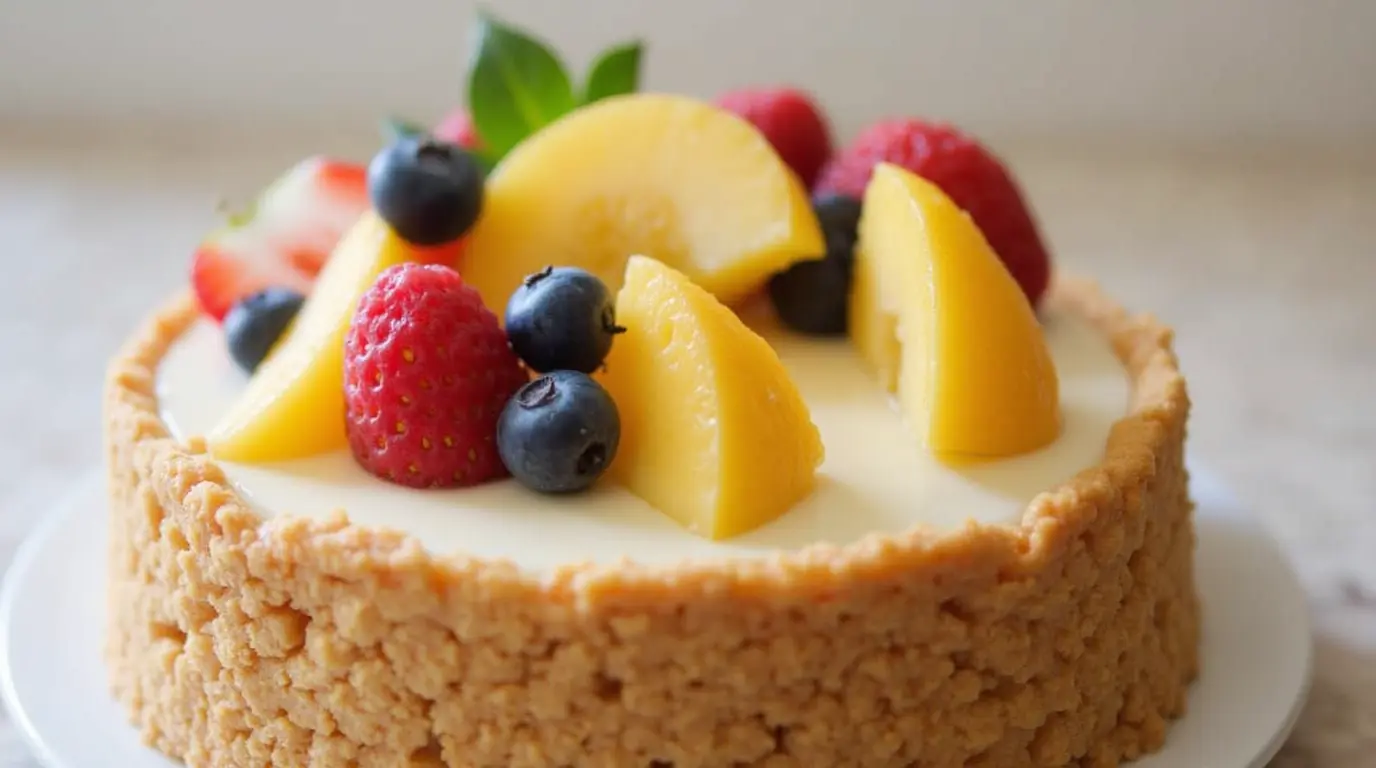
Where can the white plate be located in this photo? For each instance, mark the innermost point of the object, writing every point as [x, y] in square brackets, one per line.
[1256, 660]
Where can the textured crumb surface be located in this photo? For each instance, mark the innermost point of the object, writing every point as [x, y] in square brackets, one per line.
[1067, 640]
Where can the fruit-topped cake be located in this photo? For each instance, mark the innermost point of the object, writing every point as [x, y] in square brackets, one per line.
[596, 427]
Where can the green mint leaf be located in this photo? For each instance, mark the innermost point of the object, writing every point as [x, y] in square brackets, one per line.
[516, 85]
[394, 128]
[616, 71]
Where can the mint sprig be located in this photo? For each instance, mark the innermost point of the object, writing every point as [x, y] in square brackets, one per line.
[615, 71]
[517, 84]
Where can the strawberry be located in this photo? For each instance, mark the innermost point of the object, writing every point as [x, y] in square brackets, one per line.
[427, 372]
[457, 128]
[967, 172]
[285, 239]
[792, 123]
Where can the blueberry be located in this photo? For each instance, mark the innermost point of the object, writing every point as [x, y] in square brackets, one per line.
[429, 191]
[255, 324]
[559, 432]
[839, 216]
[562, 318]
[812, 296]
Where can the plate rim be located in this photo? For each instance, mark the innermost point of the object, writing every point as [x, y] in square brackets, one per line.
[29, 549]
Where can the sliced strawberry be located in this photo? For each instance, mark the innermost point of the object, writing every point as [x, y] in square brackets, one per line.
[287, 237]
[221, 279]
[344, 180]
[307, 260]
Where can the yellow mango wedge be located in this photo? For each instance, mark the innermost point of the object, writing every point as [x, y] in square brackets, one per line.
[669, 177]
[714, 433]
[293, 406]
[946, 328]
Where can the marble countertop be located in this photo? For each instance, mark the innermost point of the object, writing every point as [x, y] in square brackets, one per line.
[1264, 263]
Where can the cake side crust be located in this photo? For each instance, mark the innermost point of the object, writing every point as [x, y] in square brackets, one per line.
[239, 641]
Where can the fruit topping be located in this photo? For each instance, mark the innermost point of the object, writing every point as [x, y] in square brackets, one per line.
[714, 432]
[668, 176]
[561, 318]
[428, 190]
[792, 123]
[969, 175]
[812, 296]
[946, 328]
[839, 216]
[427, 371]
[255, 324]
[284, 239]
[293, 406]
[559, 433]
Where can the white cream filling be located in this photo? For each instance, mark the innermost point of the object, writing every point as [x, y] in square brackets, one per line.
[875, 477]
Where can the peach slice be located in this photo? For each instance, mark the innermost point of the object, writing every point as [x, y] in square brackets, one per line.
[714, 432]
[946, 328]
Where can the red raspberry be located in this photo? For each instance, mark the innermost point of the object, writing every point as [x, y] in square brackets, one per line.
[972, 177]
[427, 371]
[792, 123]
[457, 128]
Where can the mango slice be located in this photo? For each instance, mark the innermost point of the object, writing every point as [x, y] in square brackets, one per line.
[293, 406]
[714, 432]
[669, 177]
[946, 328]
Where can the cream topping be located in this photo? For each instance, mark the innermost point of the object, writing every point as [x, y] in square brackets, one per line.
[875, 478]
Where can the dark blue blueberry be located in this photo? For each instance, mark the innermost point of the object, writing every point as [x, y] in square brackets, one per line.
[559, 432]
[255, 324]
[429, 191]
[839, 216]
[561, 319]
[813, 296]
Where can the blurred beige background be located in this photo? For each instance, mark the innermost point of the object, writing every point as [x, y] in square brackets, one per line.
[1214, 163]
[1170, 70]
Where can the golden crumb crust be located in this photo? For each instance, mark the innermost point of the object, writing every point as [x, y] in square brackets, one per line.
[1068, 639]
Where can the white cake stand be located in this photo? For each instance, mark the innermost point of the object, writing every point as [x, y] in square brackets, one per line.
[1256, 653]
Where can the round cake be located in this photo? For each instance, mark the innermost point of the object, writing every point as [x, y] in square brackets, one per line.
[246, 638]
[852, 482]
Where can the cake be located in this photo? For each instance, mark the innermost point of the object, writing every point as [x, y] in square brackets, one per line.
[936, 516]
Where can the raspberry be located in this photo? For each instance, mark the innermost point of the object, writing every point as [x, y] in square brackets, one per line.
[972, 177]
[792, 123]
[427, 372]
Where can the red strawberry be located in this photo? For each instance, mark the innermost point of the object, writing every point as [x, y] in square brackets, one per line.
[285, 239]
[457, 128]
[427, 371]
[792, 123]
[972, 177]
